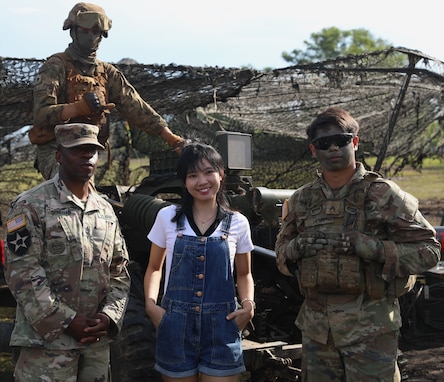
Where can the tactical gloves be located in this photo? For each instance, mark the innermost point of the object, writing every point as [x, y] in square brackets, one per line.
[92, 102]
[309, 245]
[366, 247]
[351, 243]
[175, 142]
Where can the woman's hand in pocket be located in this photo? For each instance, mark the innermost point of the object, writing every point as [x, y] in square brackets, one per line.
[242, 316]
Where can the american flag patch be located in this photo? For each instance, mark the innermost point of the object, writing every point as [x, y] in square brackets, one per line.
[16, 223]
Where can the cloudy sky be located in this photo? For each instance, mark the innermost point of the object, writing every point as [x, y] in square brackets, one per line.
[226, 33]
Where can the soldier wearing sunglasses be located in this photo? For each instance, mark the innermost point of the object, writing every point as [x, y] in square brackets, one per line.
[355, 242]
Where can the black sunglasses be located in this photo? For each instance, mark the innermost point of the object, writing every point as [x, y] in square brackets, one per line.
[339, 140]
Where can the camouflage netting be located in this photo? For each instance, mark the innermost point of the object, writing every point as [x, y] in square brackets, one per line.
[396, 95]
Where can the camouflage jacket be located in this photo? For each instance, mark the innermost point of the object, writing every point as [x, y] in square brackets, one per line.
[50, 95]
[410, 246]
[63, 258]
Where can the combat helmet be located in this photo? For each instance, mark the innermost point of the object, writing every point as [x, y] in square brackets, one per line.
[88, 15]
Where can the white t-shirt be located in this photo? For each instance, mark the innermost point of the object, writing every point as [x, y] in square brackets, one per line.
[164, 233]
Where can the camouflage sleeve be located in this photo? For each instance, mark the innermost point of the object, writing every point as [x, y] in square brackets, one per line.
[285, 242]
[48, 96]
[409, 240]
[131, 105]
[26, 276]
[117, 298]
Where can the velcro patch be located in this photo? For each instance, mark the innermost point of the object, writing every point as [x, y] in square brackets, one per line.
[334, 207]
[16, 223]
[19, 242]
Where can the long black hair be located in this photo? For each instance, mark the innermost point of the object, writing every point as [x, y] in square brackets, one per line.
[191, 160]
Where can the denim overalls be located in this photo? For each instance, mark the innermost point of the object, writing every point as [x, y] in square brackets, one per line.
[194, 334]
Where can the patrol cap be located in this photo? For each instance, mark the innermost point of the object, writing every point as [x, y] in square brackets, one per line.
[76, 134]
[88, 15]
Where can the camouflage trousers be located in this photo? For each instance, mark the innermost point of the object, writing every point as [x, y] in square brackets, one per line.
[372, 360]
[87, 364]
[46, 161]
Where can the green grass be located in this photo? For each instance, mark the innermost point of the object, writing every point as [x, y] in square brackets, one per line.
[427, 184]
[6, 367]
[6, 364]
[7, 313]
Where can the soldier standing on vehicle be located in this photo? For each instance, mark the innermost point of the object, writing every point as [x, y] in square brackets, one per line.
[354, 241]
[66, 267]
[74, 86]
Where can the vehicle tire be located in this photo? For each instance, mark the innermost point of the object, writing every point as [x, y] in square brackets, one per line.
[133, 350]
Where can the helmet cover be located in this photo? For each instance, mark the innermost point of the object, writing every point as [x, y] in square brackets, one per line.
[87, 15]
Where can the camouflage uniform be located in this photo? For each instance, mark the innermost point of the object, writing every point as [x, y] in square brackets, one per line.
[351, 322]
[64, 257]
[50, 97]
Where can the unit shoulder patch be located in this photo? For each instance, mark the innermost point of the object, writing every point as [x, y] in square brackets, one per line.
[19, 241]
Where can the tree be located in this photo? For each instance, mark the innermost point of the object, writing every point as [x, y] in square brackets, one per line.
[332, 42]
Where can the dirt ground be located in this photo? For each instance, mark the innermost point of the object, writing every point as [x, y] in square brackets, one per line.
[423, 361]
[419, 362]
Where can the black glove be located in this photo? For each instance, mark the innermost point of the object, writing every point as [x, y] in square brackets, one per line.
[92, 102]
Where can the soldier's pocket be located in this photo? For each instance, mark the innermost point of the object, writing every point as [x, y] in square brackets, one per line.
[308, 268]
[64, 245]
[103, 237]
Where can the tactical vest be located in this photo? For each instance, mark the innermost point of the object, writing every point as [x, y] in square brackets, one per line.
[332, 273]
[76, 85]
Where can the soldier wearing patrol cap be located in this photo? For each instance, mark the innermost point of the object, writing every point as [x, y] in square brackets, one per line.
[355, 242]
[77, 134]
[74, 86]
[66, 267]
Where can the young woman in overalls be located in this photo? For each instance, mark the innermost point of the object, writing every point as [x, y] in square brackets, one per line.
[198, 321]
